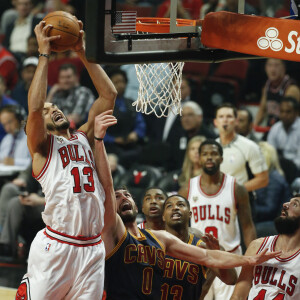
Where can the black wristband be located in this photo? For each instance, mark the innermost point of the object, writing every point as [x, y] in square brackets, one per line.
[98, 139]
[46, 55]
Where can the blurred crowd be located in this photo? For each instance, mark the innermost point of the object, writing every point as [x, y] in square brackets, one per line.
[262, 97]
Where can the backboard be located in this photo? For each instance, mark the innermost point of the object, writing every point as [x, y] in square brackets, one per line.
[109, 41]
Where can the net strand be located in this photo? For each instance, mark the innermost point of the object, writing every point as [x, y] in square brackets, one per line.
[159, 90]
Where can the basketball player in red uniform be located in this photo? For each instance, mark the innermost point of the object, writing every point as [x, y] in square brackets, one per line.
[66, 260]
[278, 278]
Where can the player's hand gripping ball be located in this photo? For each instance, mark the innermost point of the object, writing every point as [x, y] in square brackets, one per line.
[65, 25]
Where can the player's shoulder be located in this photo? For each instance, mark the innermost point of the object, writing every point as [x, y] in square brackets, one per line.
[255, 245]
[245, 141]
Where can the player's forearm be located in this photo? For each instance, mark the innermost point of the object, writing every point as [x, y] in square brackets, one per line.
[101, 81]
[102, 166]
[38, 89]
[258, 182]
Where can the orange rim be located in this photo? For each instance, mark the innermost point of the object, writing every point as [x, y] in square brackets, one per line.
[160, 25]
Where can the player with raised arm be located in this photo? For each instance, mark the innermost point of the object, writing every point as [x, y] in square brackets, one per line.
[278, 278]
[139, 254]
[66, 260]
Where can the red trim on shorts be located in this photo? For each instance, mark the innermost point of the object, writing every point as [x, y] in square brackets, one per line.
[79, 237]
[49, 156]
[71, 244]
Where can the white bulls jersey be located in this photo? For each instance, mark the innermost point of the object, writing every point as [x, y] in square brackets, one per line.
[277, 278]
[216, 214]
[74, 196]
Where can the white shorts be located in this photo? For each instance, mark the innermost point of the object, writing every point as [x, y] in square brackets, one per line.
[219, 290]
[63, 267]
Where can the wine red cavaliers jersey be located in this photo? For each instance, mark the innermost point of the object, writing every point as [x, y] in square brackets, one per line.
[216, 214]
[73, 194]
[278, 278]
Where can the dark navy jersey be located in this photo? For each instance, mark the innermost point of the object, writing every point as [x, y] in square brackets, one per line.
[182, 280]
[134, 269]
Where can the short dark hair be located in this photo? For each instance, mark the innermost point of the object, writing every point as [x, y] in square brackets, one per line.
[179, 196]
[250, 117]
[291, 100]
[68, 66]
[227, 105]
[156, 188]
[211, 142]
[111, 71]
[14, 109]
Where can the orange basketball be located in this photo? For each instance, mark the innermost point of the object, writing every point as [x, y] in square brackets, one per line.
[65, 25]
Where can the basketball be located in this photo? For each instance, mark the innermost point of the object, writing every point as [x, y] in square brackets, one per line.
[65, 25]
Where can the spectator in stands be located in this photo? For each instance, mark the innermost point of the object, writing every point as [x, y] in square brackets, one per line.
[21, 203]
[186, 9]
[241, 155]
[244, 124]
[13, 147]
[8, 16]
[191, 164]
[58, 59]
[32, 47]
[73, 99]
[18, 31]
[20, 92]
[126, 137]
[285, 134]
[232, 6]
[211, 6]
[4, 100]
[278, 85]
[191, 125]
[269, 200]
[8, 68]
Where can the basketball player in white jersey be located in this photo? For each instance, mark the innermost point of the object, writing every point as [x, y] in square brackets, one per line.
[66, 259]
[279, 278]
[217, 202]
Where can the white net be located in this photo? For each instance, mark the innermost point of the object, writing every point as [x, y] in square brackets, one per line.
[160, 88]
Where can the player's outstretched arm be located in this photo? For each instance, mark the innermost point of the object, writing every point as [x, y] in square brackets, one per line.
[35, 127]
[105, 88]
[244, 283]
[114, 228]
[228, 276]
[209, 258]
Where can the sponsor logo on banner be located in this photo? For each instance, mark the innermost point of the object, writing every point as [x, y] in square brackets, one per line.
[271, 40]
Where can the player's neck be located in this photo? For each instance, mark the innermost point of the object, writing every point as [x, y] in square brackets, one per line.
[288, 243]
[64, 133]
[182, 233]
[211, 179]
[155, 224]
[133, 228]
[227, 137]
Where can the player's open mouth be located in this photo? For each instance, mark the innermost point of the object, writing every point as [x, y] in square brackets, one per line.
[126, 206]
[154, 209]
[225, 127]
[176, 216]
[58, 117]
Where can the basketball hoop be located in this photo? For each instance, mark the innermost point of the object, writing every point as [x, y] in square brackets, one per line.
[159, 90]
[160, 83]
